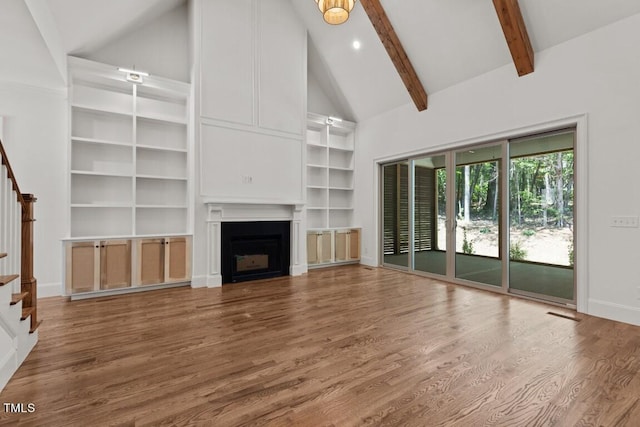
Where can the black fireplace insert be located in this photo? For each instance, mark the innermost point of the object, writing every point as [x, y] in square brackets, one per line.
[255, 250]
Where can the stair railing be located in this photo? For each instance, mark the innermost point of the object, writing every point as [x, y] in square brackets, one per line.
[28, 283]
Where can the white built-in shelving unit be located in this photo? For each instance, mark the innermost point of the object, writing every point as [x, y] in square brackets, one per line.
[332, 236]
[128, 154]
[129, 181]
[330, 161]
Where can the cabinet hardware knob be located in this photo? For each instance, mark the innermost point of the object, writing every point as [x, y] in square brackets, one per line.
[97, 246]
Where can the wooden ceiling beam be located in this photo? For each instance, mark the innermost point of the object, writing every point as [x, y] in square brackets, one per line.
[396, 52]
[516, 34]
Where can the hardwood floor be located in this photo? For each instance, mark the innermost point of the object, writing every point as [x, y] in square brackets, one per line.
[342, 346]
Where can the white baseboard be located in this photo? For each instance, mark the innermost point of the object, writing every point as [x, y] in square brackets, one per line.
[199, 281]
[612, 311]
[298, 270]
[46, 290]
[368, 261]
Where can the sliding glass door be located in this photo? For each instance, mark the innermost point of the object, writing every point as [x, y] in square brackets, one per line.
[541, 192]
[429, 208]
[478, 229]
[496, 215]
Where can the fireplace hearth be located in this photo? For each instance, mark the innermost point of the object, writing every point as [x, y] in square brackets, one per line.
[254, 250]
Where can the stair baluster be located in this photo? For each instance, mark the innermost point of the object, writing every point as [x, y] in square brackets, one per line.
[18, 287]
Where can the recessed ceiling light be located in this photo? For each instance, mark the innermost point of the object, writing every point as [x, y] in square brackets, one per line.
[356, 44]
[134, 76]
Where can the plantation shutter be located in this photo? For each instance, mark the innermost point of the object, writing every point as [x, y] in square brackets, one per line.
[403, 231]
[390, 202]
[425, 209]
[396, 209]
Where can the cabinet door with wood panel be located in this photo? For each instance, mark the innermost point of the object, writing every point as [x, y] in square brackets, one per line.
[177, 259]
[83, 267]
[326, 242]
[150, 261]
[312, 247]
[319, 247]
[354, 244]
[97, 265]
[115, 264]
[342, 245]
[347, 245]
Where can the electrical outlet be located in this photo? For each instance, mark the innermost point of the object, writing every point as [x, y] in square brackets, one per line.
[624, 221]
[247, 179]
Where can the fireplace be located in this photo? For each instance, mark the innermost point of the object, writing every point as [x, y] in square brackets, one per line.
[255, 250]
[251, 217]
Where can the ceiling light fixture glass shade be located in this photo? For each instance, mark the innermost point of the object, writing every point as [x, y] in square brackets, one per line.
[335, 12]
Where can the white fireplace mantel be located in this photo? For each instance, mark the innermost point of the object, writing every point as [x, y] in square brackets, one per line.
[225, 210]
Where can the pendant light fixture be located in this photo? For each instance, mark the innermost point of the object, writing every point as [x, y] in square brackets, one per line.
[335, 12]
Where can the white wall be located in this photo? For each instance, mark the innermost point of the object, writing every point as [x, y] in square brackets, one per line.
[25, 57]
[597, 74]
[160, 47]
[318, 101]
[323, 95]
[35, 131]
[250, 107]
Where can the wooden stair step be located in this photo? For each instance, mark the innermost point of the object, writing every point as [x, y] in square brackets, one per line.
[16, 298]
[3, 254]
[8, 279]
[26, 312]
[34, 327]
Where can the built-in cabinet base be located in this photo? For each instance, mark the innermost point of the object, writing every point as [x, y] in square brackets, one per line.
[333, 246]
[99, 267]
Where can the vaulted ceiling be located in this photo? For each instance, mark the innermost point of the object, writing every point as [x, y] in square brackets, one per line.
[85, 25]
[23, 54]
[80, 26]
[447, 42]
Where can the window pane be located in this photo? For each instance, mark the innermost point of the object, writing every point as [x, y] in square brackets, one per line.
[541, 216]
[478, 215]
[430, 234]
